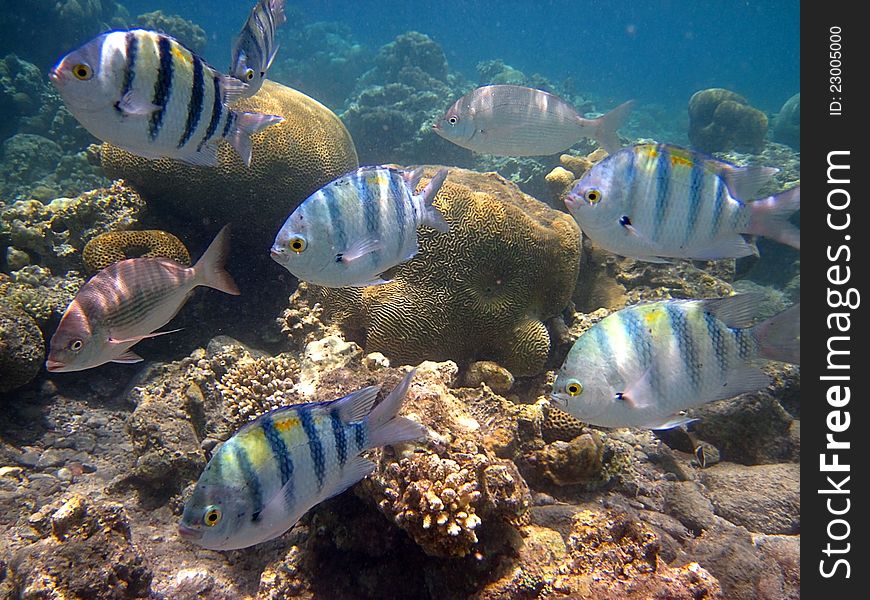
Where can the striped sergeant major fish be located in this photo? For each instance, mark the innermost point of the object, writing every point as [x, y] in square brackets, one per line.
[347, 233]
[262, 480]
[656, 201]
[512, 120]
[146, 93]
[642, 365]
[255, 47]
[128, 300]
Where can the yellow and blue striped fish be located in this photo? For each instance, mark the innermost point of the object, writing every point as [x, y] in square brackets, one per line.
[642, 365]
[145, 92]
[263, 479]
[255, 47]
[128, 300]
[347, 233]
[657, 201]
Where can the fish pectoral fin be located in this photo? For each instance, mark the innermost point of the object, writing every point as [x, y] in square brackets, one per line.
[677, 420]
[130, 104]
[128, 357]
[359, 249]
[357, 405]
[637, 394]
[139, 338]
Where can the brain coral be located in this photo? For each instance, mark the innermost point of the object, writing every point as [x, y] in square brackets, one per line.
[720, 119]
[113, 246]
[481, 291]
[290, 161]
[21, 348]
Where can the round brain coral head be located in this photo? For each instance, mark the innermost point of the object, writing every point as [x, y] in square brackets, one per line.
[482, 291]
[290, 160]
[110, 247]
[720, 120]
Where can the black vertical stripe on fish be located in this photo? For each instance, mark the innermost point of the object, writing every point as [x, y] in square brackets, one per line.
[685, 343]
[228, 126]
[194, 106]
[162, 87]
[398, 195]
[696, 189]
[333, 204]
[315, 447]
[631, 181]
[720, 348]
[279, 451]
[250, 476]
[642, 343]
[745, 344]
[718, 206]
[130, 54]
[340, 436]
[372, 213]
[663, 179]
[217, 111]
[359, 434]
[603, 343]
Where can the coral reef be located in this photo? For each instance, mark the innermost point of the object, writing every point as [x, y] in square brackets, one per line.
[391, 111]
[290, 161]
[787, 123]
[82, 548]
[188, 33]
[21, 348]
[38, 293]
[54, 234]
[479, 292]
[113, 246]
[720, 119]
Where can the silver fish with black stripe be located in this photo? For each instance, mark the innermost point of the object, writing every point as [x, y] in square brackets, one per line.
[145, 92]
[642, 365]
[347, 233]
[255, 47]
[127, 301]
[262, 480]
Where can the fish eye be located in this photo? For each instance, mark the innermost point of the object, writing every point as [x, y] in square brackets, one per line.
[592, 196]
[76, 345]
[212, 516]
[298, 244]
[574, 388]
[82, 72]
[249, 74]
[453, 120]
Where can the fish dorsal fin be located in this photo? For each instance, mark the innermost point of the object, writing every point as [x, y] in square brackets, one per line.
[736, 311]
[744, 182]
[412, 178]
[357, 405]
[233, 88]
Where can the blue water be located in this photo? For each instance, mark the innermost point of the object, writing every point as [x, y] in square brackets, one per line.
[658, 52]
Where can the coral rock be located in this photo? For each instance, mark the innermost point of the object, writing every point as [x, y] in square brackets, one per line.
[188, 33]
[113, 246]
[787, 124]
[22, 348]
[492, 374]
[290, 161]
[560, 425]
[720, 119]
[763, 498]
[481, 291]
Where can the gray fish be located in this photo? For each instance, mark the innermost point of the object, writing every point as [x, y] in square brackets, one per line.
[146, 93]
[512, 120]
[127, 301]
[274, 469]
[255, 47]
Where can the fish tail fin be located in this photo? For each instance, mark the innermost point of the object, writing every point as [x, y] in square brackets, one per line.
[779, 337]
[278, 14]
[430, 215]
[210, 267]
[769, 217]
[385, 427]
[247, 124]
[607, 125]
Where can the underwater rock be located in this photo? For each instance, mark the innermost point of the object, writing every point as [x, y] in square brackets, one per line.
[38, 293]
[54, 234]
[560, 425]
[301, 323]
[480, 292]
[720, 119]
[578, 461]
[27, 158]
[83, 549]
[494, 72]
[187, 32]
[492, 374]
[290, 161]
[685, 502]
[787, 123]
[22, 348]
[112, 246]
[763, 498]
[411, 50]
